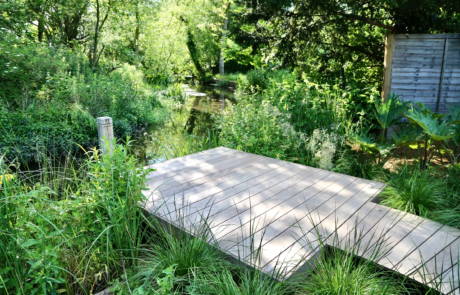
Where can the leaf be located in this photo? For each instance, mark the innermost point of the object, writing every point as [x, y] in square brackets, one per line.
[431, 125]
[456, 130]
[407, 135]
[365, 142]
[388, 112]
[30, 242]
[35, 264]
[454, 114]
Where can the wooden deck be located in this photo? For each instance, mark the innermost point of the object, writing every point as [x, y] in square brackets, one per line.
[282, 208]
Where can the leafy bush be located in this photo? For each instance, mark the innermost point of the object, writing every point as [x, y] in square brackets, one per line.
[260, 128]
[50, 98]
[36, 132]
[324, 145]
[257, 80]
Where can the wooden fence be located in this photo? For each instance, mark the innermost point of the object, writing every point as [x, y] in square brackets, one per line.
[424, 68]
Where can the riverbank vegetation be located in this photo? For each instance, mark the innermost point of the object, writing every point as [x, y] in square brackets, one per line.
[308, 91]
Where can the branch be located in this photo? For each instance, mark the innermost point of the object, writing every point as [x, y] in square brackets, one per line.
[369, 21]
[106, 15]
[100, 53]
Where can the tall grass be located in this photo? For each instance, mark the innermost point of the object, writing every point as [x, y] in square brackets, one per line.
[414, 190]
[187, 260]
[187, 144]
[67, 229]
[449, 212]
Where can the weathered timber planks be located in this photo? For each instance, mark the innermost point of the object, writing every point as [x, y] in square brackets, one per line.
[421, 66]
[276, 215]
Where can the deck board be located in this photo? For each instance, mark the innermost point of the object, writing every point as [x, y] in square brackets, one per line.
[257, 203]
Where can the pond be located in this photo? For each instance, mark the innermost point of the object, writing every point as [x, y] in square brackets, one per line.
[194, 117]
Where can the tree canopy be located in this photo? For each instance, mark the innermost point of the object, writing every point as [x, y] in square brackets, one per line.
[321, 37]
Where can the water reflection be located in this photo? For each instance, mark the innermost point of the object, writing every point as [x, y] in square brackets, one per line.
[194, 117]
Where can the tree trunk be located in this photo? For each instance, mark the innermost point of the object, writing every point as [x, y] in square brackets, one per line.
[137, 35]
[41, 30]
[93, 47]
[94, 53]
[222, 47]
[194, 54]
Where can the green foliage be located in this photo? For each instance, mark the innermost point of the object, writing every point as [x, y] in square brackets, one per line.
[430, 123]
[51, 99]
[322, 37]
[173, 257]
[388, 112]
[449, 212]
[406, 135]
[358, 165]
[257, 80]
[166, 284]
[245, 282]
[64, 229]
[259, 128]
[414, 190]
[37, 132]
[338, 272]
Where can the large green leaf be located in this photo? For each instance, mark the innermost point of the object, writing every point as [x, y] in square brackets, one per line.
[388, 112]
[368, 145]
[432, 126]
[454, 114]
[407, 135]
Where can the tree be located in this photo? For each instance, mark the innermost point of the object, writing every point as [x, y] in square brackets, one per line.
[326, 35]
[102, 11]
[223, 41]
[184, 36]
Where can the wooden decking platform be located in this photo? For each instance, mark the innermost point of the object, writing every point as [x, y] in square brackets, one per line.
[282, 208]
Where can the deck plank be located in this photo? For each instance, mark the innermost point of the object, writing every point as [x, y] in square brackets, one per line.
[244, 190]
[284, 208]
[203, 189]
[191, 159]
[310, 224]
[197, 177]
[278, 235]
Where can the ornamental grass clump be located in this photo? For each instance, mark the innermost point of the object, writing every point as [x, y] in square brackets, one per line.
[414, 190]
[449, 213]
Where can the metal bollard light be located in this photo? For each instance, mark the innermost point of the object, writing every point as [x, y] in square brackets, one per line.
[105, 132]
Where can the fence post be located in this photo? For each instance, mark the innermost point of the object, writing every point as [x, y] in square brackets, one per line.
[105, 132]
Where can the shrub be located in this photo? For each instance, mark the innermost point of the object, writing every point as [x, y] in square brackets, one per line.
[323, 146]
[260, 128]
[50, 98]
[38, 132]
[257, 80]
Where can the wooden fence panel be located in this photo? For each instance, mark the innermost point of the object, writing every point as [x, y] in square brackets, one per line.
[423, 68]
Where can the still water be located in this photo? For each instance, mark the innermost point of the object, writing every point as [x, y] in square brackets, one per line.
[194, 117]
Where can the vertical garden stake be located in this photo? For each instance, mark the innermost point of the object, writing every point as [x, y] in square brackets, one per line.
[105, 132]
